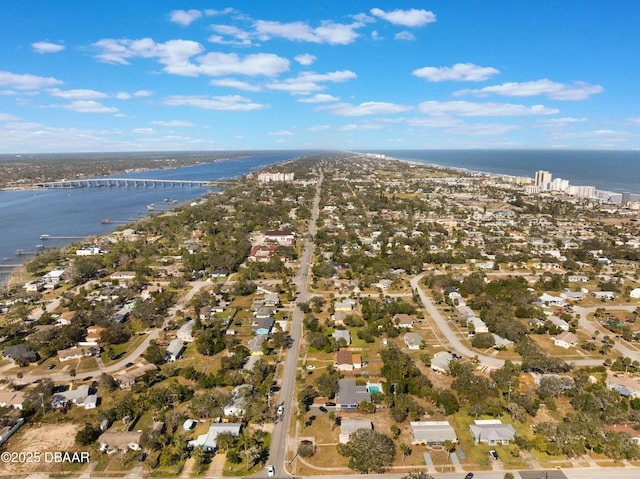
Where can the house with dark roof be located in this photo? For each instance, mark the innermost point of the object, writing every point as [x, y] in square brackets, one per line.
[19, 353]
[350, 395]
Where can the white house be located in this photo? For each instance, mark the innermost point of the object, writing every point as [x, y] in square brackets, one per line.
[566, 340]
[635, 293]
[492, 432]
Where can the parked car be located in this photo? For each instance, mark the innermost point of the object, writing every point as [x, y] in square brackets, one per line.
[271, 471]
[323, 409]
[330, 404]
[469, 476]
[493, 454]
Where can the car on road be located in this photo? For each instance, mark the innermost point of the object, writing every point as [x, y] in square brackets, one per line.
[323, 409]
[493, 454]
[280, 410]
[271, 471]
[330, 404]
[51, 366]
[469, 476]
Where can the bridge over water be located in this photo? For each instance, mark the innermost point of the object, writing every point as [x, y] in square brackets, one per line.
[120, 183]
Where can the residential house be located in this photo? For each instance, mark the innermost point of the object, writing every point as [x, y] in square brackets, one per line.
[627, 387]
[75, 353]
[255, 344]
[492, 432]
[184, 333]
[13, 399]
[262, 253]
[413, 340]
[346, 306]
[500, 342]
[237, 406]
[577, 279]
[208, 440]
[573, 295]
[282, 237]
[119, 441]
[342, 335]
[345, 360]
[129, 376]
[432, 433]
[558, 322]
[404, 321]
[634, 434]
[264, 312]
[635, 293]
[19, 353]
[604, 295]
[82, 396]
[262, 325]
[350, 395]
[552, 300]
[566, 340]
[477, 325]
[123, 275]
[349, 426]
[440, 362]
[339, 317]
[66, 318]
[271, 299]
[94, 335]
[175, 350]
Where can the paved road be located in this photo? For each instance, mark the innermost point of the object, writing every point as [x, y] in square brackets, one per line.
[131, 356]
[279, 438]
[495, 363]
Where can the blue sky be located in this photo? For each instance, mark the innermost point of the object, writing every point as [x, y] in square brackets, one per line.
[124, 75]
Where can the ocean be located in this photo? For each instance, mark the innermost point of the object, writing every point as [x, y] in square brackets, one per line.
[615, 171]
[68, 215]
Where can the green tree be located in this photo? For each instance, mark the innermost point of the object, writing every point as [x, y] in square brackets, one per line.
[87, 435]
[155, 354]
[368, 451]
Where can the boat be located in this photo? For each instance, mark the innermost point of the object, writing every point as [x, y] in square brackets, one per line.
[151, 207]
[106, 221]
[44, 237]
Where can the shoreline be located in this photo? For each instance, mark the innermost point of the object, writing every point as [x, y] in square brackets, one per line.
[478, 172]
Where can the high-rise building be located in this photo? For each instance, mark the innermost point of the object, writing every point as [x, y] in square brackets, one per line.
[626, 197]
[542, 177]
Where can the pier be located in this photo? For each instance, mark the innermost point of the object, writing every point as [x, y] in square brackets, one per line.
[49, 237]
[120, 183]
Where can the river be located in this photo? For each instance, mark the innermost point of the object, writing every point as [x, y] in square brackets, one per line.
[67, 215]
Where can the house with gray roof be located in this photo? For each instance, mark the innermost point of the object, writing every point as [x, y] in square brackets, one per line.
[412, 340]
[175, 349]
[350, 395]
[440, 362]
[208, 440]
[492, 432]
[342, 334]
[432, 433]
[18, 353]
[263, 325]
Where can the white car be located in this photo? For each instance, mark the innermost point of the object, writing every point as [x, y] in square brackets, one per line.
[271, 471]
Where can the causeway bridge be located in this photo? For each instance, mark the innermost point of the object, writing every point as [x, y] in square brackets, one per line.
[120, 183]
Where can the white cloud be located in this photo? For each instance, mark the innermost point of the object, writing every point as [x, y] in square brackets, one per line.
[561, 122]
[328, 32]
[635, 121]
[185, 17]
[308, 82]
[405, 35]
[407, 18]
[319, 98]
[173, 54]
[47, 47]
[142, 93]
[7, 117]
[482, 129]
[319, 127]
[556, 91]
[361, 126]
[280, 133]
[172, 123]
[367, 108]
[26, 81]
[466, 108]
[88, 106]
[459, 71]
[610, 135]
[224, 11]
[144, 131]
[223, 103]
[305, 59]
[79, 94]
[232, 83]
[240, 37]
[376, 36]
[176, 56]
[440, 121]
[265, 64]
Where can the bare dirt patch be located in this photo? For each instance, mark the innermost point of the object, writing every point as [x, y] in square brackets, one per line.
[48, 438]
